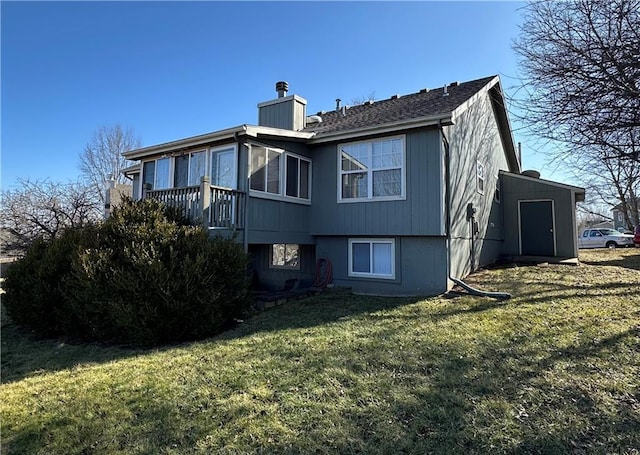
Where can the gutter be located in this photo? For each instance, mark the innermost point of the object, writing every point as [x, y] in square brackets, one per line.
[204, 139]
[447, 194]
[189, 142]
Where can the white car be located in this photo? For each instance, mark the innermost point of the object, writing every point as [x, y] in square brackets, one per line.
[604, 238]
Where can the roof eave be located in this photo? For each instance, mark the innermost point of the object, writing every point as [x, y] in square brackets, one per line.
[580, 192]
[188, 142]
[204, 139]
[502, 117]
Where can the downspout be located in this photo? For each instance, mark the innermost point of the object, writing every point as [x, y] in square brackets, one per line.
[447, 211]
[447, 192]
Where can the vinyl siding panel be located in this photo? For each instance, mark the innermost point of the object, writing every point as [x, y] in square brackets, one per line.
[277, 115]
[272, 221]
[475, 138]
[277, 221]
[420, 264]
[421, 213]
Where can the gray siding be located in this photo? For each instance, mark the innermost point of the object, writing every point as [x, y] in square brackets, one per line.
[517, 189]
[289, 115]
[420, 266]
[270, 221]
[420, 214]
[475, 137]
[276, 221]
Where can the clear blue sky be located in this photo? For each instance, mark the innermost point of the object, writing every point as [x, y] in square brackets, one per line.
[172, 70]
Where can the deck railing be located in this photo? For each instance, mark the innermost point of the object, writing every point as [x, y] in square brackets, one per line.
[211, 205]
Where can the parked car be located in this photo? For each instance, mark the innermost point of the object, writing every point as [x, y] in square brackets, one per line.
[604, 238]
[636, 236]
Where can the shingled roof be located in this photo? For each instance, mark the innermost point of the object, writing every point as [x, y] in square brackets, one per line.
[425, 103]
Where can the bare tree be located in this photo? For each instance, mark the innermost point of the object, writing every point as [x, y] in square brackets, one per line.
[580, 61]
[43, 208]
[363, 99]
[610, 180]
[102, 158]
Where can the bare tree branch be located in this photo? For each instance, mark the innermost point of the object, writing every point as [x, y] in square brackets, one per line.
[102, 158]
[43, 208]
[581, 73]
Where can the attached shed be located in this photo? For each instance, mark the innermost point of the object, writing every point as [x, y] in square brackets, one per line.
[539, 217]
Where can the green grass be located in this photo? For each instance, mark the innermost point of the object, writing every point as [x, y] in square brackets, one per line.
[556, 369]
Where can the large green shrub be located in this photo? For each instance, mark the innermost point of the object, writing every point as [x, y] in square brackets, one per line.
[36, 285]
[141, 277]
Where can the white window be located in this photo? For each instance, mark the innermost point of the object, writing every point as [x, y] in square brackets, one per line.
[297, 172]
[480, 177]
[188, 169]
[285, 256]
[223, 167]
[372, 258]
[156, 173]
[265, 170]
[279, 173]
[372, 170]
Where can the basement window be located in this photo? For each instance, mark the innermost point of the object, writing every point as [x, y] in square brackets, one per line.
[285, 256]
[372, 258]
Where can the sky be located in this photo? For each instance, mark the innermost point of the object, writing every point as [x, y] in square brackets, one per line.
[171, 70]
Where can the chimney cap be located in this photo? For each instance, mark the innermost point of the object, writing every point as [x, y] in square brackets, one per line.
[282, 87]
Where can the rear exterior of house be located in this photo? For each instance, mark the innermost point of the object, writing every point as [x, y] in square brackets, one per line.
[399, 195]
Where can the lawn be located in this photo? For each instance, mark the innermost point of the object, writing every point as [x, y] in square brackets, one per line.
[556, 369]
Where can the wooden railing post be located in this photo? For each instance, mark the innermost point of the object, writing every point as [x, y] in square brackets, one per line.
[146, 187]
[205, 197]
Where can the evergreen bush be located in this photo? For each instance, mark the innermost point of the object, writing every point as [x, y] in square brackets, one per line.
[141, 277]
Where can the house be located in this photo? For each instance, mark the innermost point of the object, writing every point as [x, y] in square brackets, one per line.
[400, 194]
[114, 194]
[633, 215]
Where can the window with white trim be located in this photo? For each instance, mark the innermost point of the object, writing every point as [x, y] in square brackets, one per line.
[372, 258]
[279, 173]
[285, 256]
[480, 177]
[223, 167]
[189, 168]
[157, 173]
[372, 170]
[297, 172]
